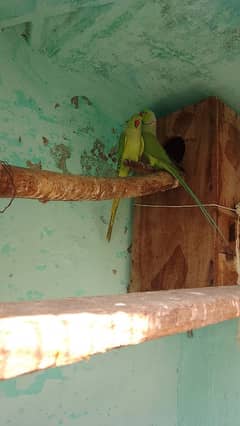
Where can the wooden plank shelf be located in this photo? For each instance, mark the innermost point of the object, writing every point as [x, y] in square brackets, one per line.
[42, 334]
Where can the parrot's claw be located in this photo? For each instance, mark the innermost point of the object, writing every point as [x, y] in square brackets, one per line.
[140, 166]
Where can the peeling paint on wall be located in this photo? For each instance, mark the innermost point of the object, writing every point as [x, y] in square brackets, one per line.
[99, 162]
[61, 153]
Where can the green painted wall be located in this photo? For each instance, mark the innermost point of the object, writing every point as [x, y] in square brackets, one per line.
[116, 57]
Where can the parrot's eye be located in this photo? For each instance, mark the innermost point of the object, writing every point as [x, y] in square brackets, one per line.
[141, 113]
[137, 123]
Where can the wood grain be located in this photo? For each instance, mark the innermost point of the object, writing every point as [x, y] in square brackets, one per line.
[46, 186]
[174, 248]
[38, 335]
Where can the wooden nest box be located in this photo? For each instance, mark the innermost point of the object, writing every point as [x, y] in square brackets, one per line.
[176, 247]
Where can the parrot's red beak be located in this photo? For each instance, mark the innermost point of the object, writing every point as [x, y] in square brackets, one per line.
[137, 123]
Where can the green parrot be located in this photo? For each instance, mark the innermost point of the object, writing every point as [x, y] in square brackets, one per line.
[131, 147]
[157, 157]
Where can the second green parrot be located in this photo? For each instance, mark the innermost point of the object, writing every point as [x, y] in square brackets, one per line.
[157, 157]
[131, 147]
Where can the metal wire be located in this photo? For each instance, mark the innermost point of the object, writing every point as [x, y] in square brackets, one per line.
[185, 206]
[7, 169]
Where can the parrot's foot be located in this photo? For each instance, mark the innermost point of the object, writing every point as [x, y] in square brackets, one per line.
[140, 166]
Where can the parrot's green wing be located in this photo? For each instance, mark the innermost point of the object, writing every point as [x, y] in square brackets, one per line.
[158, 157]
[121, 146]
[141, 147]
[153, 148]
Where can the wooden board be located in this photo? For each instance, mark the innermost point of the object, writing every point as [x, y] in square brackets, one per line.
[40, 334]
[174, 247]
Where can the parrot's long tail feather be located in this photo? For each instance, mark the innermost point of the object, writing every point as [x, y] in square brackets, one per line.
[115, 205]
[204, 211]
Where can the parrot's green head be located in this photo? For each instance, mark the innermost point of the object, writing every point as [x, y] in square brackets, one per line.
[135, 122]
[148, 117]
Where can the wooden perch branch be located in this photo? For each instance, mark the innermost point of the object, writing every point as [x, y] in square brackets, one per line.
[49, 186]
[39, 335]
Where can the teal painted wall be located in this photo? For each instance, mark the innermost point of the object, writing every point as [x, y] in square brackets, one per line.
[116, 57]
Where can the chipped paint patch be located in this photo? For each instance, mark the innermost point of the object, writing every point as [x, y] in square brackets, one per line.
[34, 384]
[34, 166]
[75, 101]
[87, 100]
[98, 161]
[7, 249]
[41, 267]
[61, 153]
[45, 141]
[34, 295]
